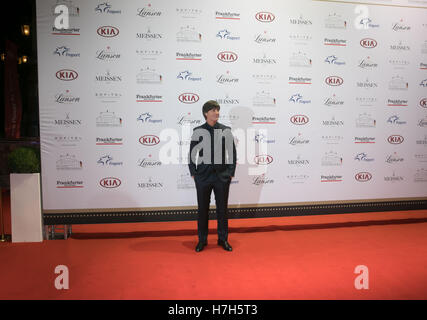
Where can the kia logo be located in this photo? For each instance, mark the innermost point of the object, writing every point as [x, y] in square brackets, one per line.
[107, 31]
[299, 119]
[188, 98]
[368, 43]
[263, 159]
[227, 56]
[423, 103]
[363, 176]
[110, 182]
[334, 81]
[395, 139]
[265, 16]
[149, 140]
[66, 75]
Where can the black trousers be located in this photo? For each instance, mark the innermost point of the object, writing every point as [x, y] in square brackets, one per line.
[204, 190]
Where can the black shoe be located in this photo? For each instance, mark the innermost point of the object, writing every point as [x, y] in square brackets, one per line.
[200, 246]
[225, 245]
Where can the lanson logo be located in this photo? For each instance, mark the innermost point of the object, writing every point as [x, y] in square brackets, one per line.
[395, 139]
[66, 75]
[263, 159]
[265, 17]
[107, 31]
[334, 81]
[149, 140]
[188, 98]
[368, 43]
[299, 119]
[110, 182]
[363, 176]
[227, 56]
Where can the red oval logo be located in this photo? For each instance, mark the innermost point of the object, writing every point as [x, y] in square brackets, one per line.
[334, 81]
[107, 31]
[66, 75]
[188, 98]
[299, 119]
[423, 103]
[149, 140]
[363, 176]
[395, 139]
[110, 182]
[227, 56]
[368, 43]
[263, 159]
[265, 17]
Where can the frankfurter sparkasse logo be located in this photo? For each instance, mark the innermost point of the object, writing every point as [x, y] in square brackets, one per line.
[227, 56]
[299, 119]
[107, 31]
[263, 159]
[363, 176]
[110, 182]
[265, 17]
[395, 139]
[66, 75]
[368, 43]
[188, 98]
[149, 140]
[334, 81]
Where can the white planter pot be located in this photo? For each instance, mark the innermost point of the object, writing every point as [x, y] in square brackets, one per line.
[25, 207]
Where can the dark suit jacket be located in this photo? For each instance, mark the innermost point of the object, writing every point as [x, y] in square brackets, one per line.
[224, 166]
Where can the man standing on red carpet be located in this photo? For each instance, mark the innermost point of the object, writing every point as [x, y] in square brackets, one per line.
[212, 163]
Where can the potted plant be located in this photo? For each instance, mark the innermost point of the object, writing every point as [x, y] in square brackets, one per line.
[25, 195]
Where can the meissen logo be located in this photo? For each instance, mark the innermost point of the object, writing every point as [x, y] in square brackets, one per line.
[395, 139]
[300, 21]
[64, 51]
[298, 162]
[335, 42]
[264, 60]
[399, 47]
[110, 182]
[107, 31]
[67, 121]
[149, 140]
[334, 81]
[367, 84]
[227, 56]
[150, 184]
[227, 100]
[188, 98]
[363, 176]
[108, 78]
[66, 75]
[368, 43]
[333, 122]
[66, 98]
[148, 35]
[265, 17]
[393, 178]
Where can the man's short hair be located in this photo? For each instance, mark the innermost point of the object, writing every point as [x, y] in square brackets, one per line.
[209, 105]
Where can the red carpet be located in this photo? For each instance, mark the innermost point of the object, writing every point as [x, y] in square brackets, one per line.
[309, 257]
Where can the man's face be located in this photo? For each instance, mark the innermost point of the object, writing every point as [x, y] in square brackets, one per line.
[212, 115]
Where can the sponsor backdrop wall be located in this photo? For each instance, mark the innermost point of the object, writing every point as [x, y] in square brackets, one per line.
[327, 100]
